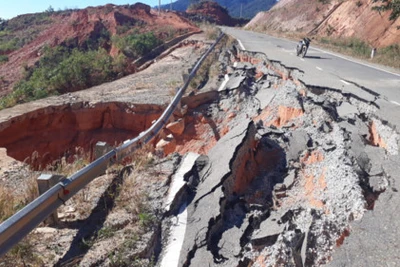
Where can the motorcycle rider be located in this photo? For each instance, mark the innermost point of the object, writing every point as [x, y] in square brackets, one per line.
[305, 42]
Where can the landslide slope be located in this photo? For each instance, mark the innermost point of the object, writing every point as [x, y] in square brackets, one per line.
[330, 18]
[23, 38]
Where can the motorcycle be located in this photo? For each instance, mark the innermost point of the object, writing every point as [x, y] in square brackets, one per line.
[302, 47]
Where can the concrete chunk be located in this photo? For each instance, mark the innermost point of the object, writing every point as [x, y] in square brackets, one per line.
[346, 110]
[289, 180]
[376, 156]
[378, 183]
[297, 143]
[243, 66]
[234, 82]
[230, 241]
[265, 97]
[269, 231]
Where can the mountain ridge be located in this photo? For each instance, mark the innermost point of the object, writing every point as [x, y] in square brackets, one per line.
[248, 8]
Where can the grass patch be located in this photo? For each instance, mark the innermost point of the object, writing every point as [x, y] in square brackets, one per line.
[210, 30]
[136, 44]
[210, 66]
[10, 202]
[6, 47]
[67, 167]
[389, 56]
[351, 46]
[22, 254]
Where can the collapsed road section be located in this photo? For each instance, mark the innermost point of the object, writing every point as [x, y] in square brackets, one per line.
[298, 165]
[273, 172]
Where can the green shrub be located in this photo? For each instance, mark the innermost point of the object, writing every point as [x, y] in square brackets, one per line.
[136, 45]
[25, 21]
[3, 58]
[389, 56]
[61, 70]
[356, 46]
[9, 46]
[97, 40]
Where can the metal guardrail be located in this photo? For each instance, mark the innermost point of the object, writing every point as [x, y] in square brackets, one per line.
[20, 224]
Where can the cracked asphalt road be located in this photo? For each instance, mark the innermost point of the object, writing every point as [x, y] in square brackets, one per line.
[374, 240]
[324, 68]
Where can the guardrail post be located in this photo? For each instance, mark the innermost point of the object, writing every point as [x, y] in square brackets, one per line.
[45, 182]
[373, 52]
[101, 149]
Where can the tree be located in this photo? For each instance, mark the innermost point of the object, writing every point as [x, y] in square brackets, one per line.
[3, 24]
[50, 9]
[389, 5]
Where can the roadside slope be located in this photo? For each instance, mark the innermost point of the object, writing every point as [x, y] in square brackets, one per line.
[330, 18]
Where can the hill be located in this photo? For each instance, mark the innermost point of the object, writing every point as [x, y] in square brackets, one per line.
[331, 18]
[56, 52]
[249, 7]
[213, 13]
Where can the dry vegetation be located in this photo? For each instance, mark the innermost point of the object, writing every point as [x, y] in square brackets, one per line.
[211, 65]
[11, 202]
[388, 56]
[121, 189]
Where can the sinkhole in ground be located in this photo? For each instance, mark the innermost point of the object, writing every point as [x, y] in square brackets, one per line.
[44, 136]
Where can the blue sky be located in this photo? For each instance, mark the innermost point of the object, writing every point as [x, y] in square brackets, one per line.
[13, 8]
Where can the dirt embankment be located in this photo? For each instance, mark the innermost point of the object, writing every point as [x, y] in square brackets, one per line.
[334, 18]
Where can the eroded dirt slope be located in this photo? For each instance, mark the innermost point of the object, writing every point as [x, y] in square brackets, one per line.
[333, 18]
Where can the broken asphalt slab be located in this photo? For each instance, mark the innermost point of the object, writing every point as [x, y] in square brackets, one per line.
[205, 208]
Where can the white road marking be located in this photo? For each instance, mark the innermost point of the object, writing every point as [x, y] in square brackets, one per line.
[318, 68]
[223, 84]
[241, 45]
[394, 102]
[344, 82]
[357, 62]
[178, 229]
[301, 59]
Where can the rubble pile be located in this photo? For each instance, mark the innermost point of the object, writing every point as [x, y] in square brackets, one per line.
[305, 163]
